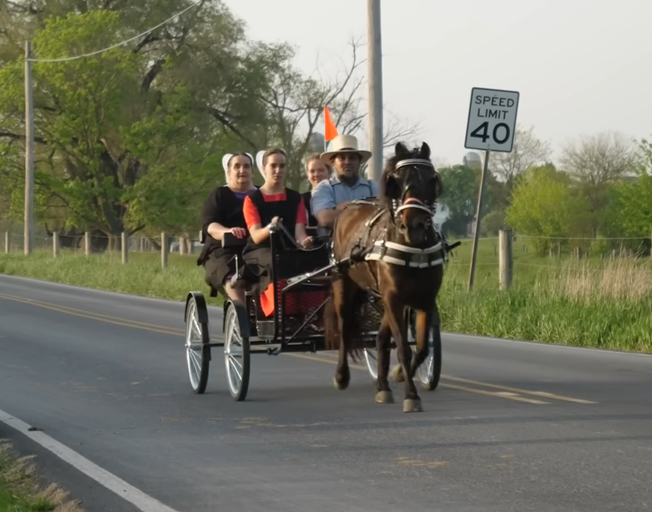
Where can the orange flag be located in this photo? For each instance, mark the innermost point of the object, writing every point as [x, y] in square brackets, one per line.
[331, 129]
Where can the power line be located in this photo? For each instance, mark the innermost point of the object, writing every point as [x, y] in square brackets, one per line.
[67, 59]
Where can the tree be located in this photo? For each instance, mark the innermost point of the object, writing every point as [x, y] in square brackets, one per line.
[461, 185]
[528, 150]
[131, 137]
[296, 108]
[459, 196]
[629, 212]
[597, 162]
[598, 159]
[544, 205]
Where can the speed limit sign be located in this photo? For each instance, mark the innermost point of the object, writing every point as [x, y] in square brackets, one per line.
[492, 120]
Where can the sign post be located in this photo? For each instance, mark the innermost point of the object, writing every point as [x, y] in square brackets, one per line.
[490, 127]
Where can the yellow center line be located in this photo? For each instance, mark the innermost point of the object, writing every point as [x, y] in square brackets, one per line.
[95, 316]
[519, 390]
[179, 332]
[450, 386]
[542, 394]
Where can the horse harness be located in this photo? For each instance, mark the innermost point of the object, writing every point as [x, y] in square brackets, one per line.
[381, 249]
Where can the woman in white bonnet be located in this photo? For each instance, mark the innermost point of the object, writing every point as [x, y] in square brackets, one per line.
[222, 213]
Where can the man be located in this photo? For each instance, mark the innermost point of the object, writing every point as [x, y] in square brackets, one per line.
[331, 196]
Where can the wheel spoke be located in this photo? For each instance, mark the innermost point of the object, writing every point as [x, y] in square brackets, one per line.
[236, 367]
[196, 327]
[196, 361]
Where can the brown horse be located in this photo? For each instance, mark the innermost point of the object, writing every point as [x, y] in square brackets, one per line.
[390, 248]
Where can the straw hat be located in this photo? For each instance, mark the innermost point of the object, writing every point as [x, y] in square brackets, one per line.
[344, 144]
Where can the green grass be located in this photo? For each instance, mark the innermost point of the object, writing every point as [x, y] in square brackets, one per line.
[21, 492]
[588, 302]
[143, 275]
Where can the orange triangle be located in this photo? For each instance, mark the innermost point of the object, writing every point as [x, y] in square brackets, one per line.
[331, 129]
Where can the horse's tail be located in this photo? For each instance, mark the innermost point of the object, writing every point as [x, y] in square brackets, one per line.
[331, 329]
[356, 344]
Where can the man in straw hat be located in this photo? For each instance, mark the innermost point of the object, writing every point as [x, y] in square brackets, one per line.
[331, 196]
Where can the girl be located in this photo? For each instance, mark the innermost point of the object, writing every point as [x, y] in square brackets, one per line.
[271, 203]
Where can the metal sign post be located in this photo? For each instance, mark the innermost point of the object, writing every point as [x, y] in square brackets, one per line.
[490, 127]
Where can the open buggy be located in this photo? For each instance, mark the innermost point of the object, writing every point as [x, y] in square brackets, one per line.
[373, 286]
[302, 282]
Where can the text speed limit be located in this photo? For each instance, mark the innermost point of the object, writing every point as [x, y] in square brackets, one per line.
[492, 120]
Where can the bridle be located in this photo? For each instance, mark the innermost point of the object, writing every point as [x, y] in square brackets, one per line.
[399, 205]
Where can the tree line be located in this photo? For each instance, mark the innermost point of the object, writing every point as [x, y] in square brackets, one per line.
[131, 139]
[597, 195]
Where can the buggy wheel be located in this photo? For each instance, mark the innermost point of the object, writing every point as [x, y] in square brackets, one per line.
[430, 370]
[236, 351]
[198, 350]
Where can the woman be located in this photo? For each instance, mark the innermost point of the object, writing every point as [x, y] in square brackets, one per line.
[222, 213]
[271, 203]
[316, 171]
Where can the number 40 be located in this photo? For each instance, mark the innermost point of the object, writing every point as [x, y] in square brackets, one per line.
[481, 132]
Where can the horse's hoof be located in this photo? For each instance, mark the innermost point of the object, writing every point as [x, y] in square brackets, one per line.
[340, 385]
[397, 373]
[384, 397]
[412, 405]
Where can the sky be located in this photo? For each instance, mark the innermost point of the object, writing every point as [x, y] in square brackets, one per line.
[580, 66]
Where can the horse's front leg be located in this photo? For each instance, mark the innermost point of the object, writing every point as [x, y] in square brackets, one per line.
[343, 307]
[394, 312]
[383, 351]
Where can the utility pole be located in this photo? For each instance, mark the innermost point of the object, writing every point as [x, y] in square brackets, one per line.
[375, 84]
[29, 153]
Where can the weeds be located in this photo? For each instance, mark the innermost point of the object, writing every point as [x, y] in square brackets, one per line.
[20, 491]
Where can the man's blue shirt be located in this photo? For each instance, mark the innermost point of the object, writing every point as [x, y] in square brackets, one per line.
[329, 193]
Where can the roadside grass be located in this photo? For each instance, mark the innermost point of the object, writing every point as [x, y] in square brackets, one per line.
[590, 302]
[20, 490]
[142, 275]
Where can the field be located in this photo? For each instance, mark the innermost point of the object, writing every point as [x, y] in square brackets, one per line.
[590, 302]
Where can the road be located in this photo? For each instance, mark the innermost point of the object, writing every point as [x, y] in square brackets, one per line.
[513, 427]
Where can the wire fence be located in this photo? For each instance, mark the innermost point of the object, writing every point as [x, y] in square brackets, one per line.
[532, 259]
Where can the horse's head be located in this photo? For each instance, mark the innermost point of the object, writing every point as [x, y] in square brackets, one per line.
[410, 186]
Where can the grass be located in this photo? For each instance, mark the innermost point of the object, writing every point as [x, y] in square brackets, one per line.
[590, 302]
[20, 490]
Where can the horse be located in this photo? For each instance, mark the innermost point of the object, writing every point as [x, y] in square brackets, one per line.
[389, 247]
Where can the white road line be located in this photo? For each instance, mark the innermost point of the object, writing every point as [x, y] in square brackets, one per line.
[139, 499]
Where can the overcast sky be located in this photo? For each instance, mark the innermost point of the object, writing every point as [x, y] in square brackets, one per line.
[581, 66]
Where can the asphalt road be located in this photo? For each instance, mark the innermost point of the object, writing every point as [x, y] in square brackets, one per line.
[513, 427]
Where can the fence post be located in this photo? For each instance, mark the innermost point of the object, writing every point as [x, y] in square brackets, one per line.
[125, 247]
[505, 258]
[87, 243]
[55, 244]
[164, 250]
[7, 242]
[182, 245]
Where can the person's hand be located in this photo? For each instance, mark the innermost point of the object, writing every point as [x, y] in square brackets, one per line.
[238, 232]
[306, 242]
[274, 223]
